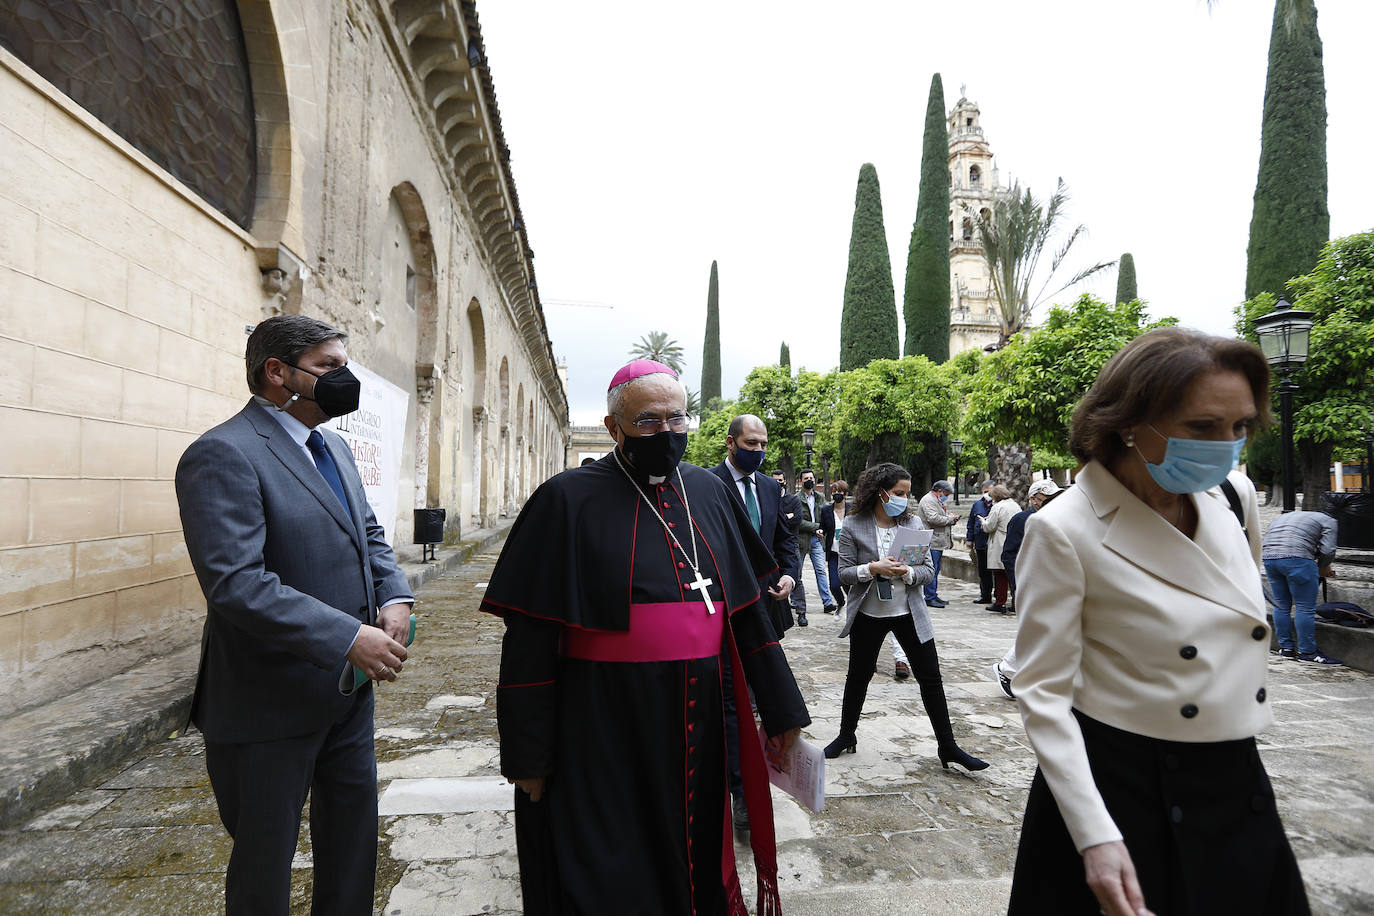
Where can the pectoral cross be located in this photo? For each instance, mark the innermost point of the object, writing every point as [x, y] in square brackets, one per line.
[700, 585]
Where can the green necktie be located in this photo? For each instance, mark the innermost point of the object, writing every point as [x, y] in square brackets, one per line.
[751, 504]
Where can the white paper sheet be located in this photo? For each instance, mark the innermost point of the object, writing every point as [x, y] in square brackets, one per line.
[804, 776]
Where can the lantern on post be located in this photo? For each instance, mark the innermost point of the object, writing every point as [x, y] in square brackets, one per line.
[956, 448]
[1283, 337]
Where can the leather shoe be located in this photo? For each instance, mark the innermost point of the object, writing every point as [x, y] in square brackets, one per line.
[903, 671]
[982, 601]
[938, 602]
[801, 621]
[739, 813]
[831, 609]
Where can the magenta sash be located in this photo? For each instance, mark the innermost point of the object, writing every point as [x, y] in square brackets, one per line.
[669, 632]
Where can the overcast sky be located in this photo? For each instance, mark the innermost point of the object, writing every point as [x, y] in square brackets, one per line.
[648, 139]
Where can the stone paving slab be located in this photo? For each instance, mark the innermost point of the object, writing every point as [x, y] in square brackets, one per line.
[898, 834]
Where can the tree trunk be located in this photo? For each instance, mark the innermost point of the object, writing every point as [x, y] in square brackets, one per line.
[1314, 471]
[887, 447]
[1011, 467]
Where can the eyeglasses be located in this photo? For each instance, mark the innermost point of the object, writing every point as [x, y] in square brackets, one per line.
[648, 426]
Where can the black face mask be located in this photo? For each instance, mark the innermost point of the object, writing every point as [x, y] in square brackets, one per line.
[808, 484]
[838, 497]
[656, 455]
[336, 392]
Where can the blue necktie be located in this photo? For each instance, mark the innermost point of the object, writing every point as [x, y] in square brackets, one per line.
[328, 469]
[751, 504]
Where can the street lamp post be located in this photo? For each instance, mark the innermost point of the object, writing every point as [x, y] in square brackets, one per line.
[825, 472]
[956, 448]
[1283, 337]
[808, 442]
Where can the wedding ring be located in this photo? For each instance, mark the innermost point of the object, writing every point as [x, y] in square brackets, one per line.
[383, 671]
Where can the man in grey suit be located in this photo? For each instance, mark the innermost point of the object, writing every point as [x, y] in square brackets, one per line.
[301, 588]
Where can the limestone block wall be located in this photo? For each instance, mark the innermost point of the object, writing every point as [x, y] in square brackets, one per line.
[125, 300]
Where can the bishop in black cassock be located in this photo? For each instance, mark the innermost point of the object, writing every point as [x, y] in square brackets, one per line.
[609, 704]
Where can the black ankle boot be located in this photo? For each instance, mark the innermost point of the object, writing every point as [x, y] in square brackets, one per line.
[952, 754]
[846, 743]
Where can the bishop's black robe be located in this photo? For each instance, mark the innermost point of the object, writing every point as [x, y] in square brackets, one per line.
[633, 816]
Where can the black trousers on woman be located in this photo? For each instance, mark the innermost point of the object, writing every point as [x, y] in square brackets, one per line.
[865, 641]
[1198, 819]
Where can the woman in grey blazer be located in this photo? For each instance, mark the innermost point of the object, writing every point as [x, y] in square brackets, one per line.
[883, 597]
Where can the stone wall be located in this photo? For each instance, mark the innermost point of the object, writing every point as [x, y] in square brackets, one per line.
[125, 299]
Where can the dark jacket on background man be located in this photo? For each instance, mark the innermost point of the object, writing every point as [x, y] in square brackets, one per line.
[779, 533]
[975, 534]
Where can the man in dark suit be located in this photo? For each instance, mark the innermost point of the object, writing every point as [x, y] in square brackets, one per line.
[811, 543]
[745, 442]
[977, 540]
[301, 589]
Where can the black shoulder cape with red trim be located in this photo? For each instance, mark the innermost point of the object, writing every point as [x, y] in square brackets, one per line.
[569, 556]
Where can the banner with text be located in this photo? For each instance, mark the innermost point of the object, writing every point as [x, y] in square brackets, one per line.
[376, 433]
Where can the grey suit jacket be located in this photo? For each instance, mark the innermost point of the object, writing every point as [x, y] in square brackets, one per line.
[858, 545]
[288, 575]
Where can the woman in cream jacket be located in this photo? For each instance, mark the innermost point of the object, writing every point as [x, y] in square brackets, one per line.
[1143, 650]
[1003, 510]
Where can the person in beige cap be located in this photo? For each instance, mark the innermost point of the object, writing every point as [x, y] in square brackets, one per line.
[1040, 492]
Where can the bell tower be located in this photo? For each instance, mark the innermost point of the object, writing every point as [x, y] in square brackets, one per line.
[974, 188]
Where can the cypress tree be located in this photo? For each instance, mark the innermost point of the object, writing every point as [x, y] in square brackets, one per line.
[1290, 222]
[785, 358]
[868, 322]
[1125, 279]
[710, 350]
[925, 304]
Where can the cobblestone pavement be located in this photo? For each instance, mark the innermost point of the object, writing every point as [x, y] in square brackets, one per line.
[898, 834]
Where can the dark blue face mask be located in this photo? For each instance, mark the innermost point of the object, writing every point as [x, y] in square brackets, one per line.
[748, 460]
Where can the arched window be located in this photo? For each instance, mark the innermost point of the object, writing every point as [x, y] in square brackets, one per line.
[170, 78]
[975, 176]
[968, 229]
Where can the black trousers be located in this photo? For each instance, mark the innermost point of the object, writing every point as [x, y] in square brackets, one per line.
[865, 642]
[1198, 819]
[260, 788]
[984, 575]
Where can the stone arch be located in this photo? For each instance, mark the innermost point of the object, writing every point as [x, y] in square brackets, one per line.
[521, 431]
[474, 489]
[277, 216]
[411, 278]
[531, 453]
[975, 176]
[503, 426]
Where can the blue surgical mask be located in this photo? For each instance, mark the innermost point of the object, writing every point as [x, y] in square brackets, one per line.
[1193, 465]
[746, 460]
[895, 505]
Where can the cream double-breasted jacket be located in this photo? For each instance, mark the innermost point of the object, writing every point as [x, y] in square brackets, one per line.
[1126, 619]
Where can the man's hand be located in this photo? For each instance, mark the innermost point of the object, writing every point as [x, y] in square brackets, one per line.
[779, 746]
[395, 620]
[783, 588]
[1111, 875]
[534, 787]
[376, 654]
[1326, 572]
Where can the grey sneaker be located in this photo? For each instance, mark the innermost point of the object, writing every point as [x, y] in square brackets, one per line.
[1003, 681]
[1317, 658]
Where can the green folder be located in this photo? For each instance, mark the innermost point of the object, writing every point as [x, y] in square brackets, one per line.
[359, 679]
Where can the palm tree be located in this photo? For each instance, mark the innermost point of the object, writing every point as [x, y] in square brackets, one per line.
[658, 346]
[1014, 237]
